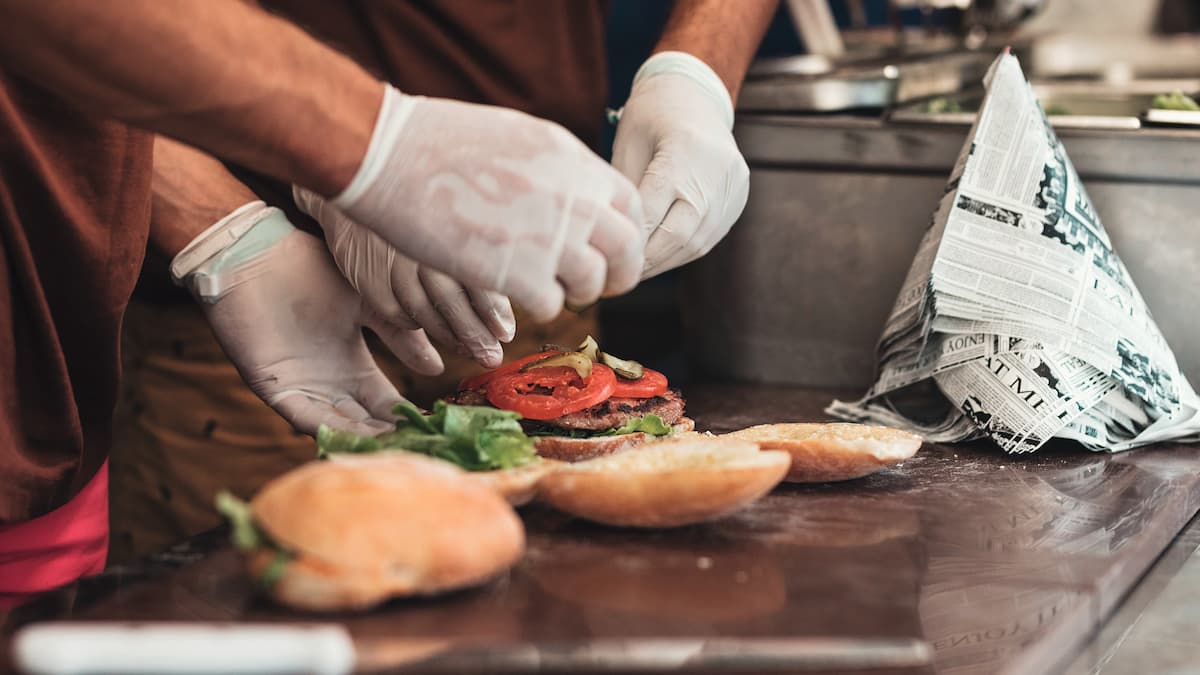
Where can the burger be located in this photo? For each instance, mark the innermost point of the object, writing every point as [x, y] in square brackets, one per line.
[354, 532]
[580, 403]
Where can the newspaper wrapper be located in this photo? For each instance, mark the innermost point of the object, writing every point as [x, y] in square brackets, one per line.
[1017, 320]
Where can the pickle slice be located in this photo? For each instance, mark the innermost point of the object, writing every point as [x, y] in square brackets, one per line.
[574, 360]
[630, 370]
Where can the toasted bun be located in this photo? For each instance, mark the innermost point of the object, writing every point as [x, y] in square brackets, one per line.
[667, 483]
[517, 485]
[580, 449]
[835, 451]
[366, 528]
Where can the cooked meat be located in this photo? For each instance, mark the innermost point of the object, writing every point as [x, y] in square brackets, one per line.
[468, 397]
[617, 411]
[607, 415]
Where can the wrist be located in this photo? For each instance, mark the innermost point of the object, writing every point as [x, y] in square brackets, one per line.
[213, 262]
[328, 160]
[394, 111]
[685, 64]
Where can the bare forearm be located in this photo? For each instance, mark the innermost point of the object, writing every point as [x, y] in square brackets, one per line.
[191, 191]
[725, 34]
[218, 74]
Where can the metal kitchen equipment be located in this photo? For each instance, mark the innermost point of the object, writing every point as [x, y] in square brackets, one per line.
[799, 289]
[818, 84]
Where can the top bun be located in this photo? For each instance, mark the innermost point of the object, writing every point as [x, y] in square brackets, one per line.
[833, 451]
[666, 484]
[365, 528]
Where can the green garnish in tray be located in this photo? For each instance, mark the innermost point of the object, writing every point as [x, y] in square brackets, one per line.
[943, 104]
[1176, 100]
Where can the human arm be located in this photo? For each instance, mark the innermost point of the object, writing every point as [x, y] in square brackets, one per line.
[192, 190]
[674, 137]
[221, 75]
[280, 309]
[724, 34]
[494, 198]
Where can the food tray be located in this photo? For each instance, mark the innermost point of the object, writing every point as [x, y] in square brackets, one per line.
[808, 84]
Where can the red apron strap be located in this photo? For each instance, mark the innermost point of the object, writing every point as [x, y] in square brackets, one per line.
[55, 549]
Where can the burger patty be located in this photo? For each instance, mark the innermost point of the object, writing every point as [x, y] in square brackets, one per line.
[617, 411]
[603, 416]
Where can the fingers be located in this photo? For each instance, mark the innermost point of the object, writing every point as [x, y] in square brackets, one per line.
[409, 290]
[620, 242]
[657, 193]
[541, 301]
[627, 200]
[306, 414]
[378, 395]
[452, 304]
[581, 271]
[412, 347]
[496, 312]
[675, 241]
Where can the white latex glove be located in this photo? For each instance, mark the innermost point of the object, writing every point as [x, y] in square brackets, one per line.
[499, 200]
[290, 322]
[408, 296]
[674, 140]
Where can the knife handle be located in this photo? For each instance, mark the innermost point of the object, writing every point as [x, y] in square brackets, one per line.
[78, 648]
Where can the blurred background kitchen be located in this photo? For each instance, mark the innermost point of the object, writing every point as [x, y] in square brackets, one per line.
[851, 120]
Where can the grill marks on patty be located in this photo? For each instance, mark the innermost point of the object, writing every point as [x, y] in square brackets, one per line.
[607, 415]
[617, 411]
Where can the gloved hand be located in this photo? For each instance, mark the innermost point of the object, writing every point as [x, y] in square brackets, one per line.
[674, 140]
[498, 200]
[409, 296]
[291, 324]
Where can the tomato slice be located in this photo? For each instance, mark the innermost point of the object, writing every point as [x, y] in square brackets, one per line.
[652, 383]
[547, 393]
[480, 381]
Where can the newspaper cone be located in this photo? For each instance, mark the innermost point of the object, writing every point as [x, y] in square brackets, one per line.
[1019, 311]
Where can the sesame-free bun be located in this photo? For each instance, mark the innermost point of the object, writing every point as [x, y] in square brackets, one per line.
[568, 449]
[833, 451]
[666, 483]
[517, 485]
[367, 528]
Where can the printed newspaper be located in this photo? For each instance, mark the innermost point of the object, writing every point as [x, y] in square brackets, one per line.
[1019, 311]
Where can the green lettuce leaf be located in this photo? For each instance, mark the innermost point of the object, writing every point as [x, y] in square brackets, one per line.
[245, 534]
[650, 424]
[248, 537]
[332, 441]
[477, 438]
[275, 569]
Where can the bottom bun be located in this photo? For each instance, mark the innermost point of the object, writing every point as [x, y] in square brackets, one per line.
[667, 483]
[568, 449]
[363, 529]
[517, 485]
[835, 451]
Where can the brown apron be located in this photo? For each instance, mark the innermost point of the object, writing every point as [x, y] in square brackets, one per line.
[186, 424]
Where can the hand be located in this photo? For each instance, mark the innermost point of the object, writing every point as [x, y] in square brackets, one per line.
[293, 326]
[674, 140]
[498, 200]
[408, 296]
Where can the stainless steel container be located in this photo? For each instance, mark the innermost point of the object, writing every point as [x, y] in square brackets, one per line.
[799, 290]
